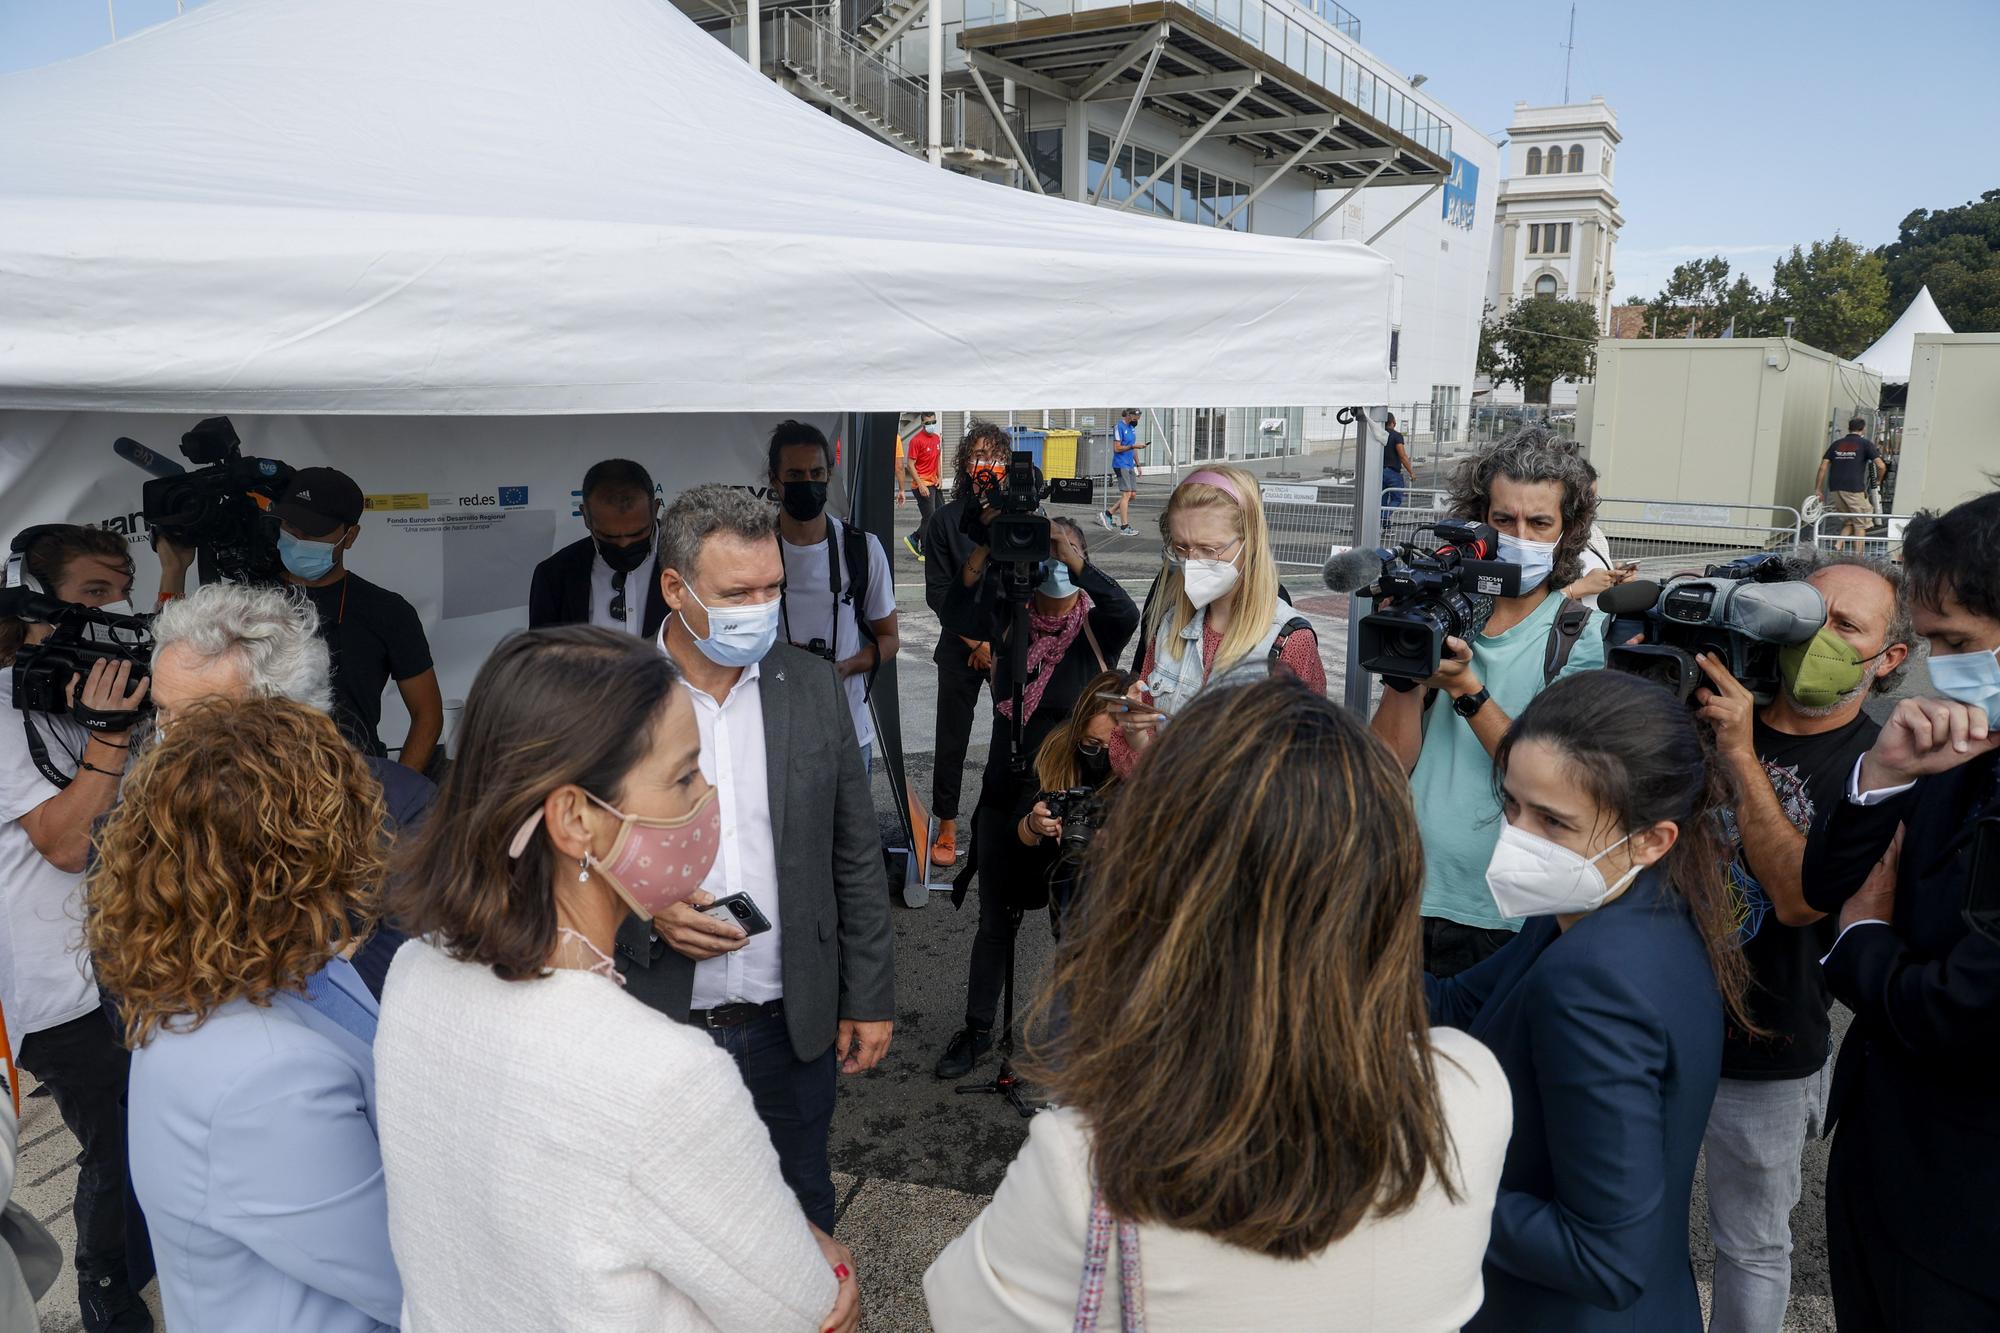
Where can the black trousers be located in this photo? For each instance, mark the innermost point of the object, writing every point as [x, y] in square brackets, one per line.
[1451, 948]
[85, 1068]
[927, 504]
[1877, 1288]
[1011, 877]
[957, 703]
[794, 1099]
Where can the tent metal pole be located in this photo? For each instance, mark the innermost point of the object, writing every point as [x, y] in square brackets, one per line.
[1367, 535]
[1275, 176]
[1341, 202]
[756, 46]
[1125, 127]
[1187, 145]
[1414, 205]
[934, 95]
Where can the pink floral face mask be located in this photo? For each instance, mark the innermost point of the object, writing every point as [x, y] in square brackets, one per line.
[653, 863]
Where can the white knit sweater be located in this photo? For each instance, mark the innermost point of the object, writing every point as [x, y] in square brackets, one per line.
[561, 1157]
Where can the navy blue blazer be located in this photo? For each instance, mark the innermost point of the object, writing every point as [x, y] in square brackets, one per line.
[1611, 1038]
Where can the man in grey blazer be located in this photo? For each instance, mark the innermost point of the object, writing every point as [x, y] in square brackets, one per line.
[816, 991]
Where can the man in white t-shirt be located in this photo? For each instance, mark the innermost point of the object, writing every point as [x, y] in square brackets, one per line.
[57, 778]
[854, 627]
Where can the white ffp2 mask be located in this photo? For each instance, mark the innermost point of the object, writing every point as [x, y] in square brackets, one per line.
[1531, 876]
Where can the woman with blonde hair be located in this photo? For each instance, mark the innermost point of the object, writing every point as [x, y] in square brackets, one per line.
[1215, 605]
[231, 885]
[1251, 1097]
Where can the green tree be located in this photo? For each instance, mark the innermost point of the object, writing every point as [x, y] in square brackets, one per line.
[1836, 294]
[1700, 299]
[1956, 253]
[1538, 341]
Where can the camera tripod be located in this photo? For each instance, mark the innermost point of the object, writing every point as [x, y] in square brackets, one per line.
[1006, 1083]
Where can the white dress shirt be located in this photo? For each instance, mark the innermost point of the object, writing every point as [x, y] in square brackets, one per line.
[637, 583]
[732, 757]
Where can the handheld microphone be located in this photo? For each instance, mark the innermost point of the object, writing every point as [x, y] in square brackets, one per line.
[157, 465]
[1352, 570]
[1629, 599]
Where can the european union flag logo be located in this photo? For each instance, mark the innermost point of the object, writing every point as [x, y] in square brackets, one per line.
[513, 497]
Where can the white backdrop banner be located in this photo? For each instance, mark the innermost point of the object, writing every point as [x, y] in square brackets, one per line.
[461, 509]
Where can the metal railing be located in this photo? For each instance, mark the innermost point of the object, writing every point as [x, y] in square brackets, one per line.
[1882, 535]
[1670, 537]
[1297, 37]
[895, 97]
[1308, 521]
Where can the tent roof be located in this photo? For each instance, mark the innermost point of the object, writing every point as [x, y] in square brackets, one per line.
[1893, 351]
[513, 206]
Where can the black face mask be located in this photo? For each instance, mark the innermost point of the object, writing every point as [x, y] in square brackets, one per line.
[805, 500]
[1093, 766]
[624, 559]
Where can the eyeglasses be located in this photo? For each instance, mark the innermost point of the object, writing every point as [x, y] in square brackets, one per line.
[618, 595]
[1175, 553]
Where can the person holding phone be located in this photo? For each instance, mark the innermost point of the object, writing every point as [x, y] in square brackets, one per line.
[557, 1155]
[1078, 622]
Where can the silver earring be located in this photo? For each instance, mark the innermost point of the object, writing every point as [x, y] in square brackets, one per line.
[583, 868]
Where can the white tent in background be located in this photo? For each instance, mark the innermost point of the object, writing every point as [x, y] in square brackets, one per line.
[1893, 351]
[522, 207]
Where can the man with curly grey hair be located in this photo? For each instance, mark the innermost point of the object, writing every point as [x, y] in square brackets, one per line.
[233, 641]
[1536, 491]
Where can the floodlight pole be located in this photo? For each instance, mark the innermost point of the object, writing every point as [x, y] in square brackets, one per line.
[1367, 534]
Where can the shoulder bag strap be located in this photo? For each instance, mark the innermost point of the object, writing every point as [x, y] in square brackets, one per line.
[1562, 638]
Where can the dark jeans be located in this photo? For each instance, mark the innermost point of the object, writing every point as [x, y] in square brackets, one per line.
[927, 504]
[1877, 1288]
[794, 1099]
[1450, 948]
[84, 1068]
[1393, 496]
[957, 702]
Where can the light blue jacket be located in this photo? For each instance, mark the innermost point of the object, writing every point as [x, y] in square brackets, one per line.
[255, 1157]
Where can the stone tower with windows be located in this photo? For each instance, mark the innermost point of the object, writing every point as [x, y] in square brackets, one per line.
[1556, 219]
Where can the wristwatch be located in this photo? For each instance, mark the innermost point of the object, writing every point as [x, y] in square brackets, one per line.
[1469, 705]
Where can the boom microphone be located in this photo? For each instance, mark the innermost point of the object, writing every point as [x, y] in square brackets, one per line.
[1354, 569]
[132, 451]
[1629, 599]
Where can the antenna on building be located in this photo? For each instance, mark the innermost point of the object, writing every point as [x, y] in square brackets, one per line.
[1569, 51]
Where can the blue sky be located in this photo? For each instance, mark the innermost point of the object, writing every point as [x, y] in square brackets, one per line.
[1749, 127]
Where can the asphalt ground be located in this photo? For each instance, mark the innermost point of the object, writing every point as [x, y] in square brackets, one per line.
[913, 1159]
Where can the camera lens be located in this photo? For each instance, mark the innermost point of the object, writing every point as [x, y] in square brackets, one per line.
[739, 909]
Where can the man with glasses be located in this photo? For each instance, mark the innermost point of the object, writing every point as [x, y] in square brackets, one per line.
[608, 578]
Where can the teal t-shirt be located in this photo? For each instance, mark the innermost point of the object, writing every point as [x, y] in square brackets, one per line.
[1452, 784]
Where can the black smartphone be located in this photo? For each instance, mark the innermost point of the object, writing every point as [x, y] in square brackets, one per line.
[738, 910]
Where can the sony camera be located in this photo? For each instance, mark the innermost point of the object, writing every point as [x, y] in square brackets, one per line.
[1743, 612]
[83, 636]
[215, 508]
[1427, 593]
[1081, 811]
[1020, 531]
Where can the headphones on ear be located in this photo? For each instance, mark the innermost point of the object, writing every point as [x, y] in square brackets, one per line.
[18, 575]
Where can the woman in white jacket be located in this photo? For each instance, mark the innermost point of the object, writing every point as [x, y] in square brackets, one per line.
[1259, 1129]
[561, 1157]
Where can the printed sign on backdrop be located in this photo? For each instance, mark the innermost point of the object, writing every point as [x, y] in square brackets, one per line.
[459, 510]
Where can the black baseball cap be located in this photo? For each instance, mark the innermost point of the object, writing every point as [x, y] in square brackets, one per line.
[318, 500]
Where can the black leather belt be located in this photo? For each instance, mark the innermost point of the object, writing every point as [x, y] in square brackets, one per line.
[735, 1015]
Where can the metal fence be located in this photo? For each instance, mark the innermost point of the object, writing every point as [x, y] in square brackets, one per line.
[1882, 537]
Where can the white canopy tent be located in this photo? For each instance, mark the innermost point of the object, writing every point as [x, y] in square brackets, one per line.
[1894, 351]
[517, 207]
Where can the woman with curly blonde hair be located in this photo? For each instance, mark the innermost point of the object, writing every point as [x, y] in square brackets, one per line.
[232, 883]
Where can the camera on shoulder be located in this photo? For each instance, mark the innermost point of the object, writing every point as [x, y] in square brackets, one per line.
[215, 508]
[1744, 613]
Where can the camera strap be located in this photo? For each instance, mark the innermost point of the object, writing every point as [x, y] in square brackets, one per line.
[38, 750]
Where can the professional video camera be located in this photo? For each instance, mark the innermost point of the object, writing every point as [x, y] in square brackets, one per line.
[1020, 531]
[1743, 612]
[1424, 594]
[83, 637]
[215, 508]
[1081, 812]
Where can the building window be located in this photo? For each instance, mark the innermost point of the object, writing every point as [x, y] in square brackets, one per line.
[1534, 161]
[1395, 351]
[1555, 162]
[1575, 158]
[1607, 164]
[1184, 192]
[1545, 285]
[1044, 148]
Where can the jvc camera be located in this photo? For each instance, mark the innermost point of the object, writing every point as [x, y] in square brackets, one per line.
[83, 637]
[1428, 593]
[1020, 531]
[1081, 811]
[214, 508]
[1743, 612]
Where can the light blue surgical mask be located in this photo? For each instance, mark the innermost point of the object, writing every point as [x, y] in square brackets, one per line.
[1056, 582]
[1971, 678]
[1536, 559]
[305, 559]
[737, 635]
